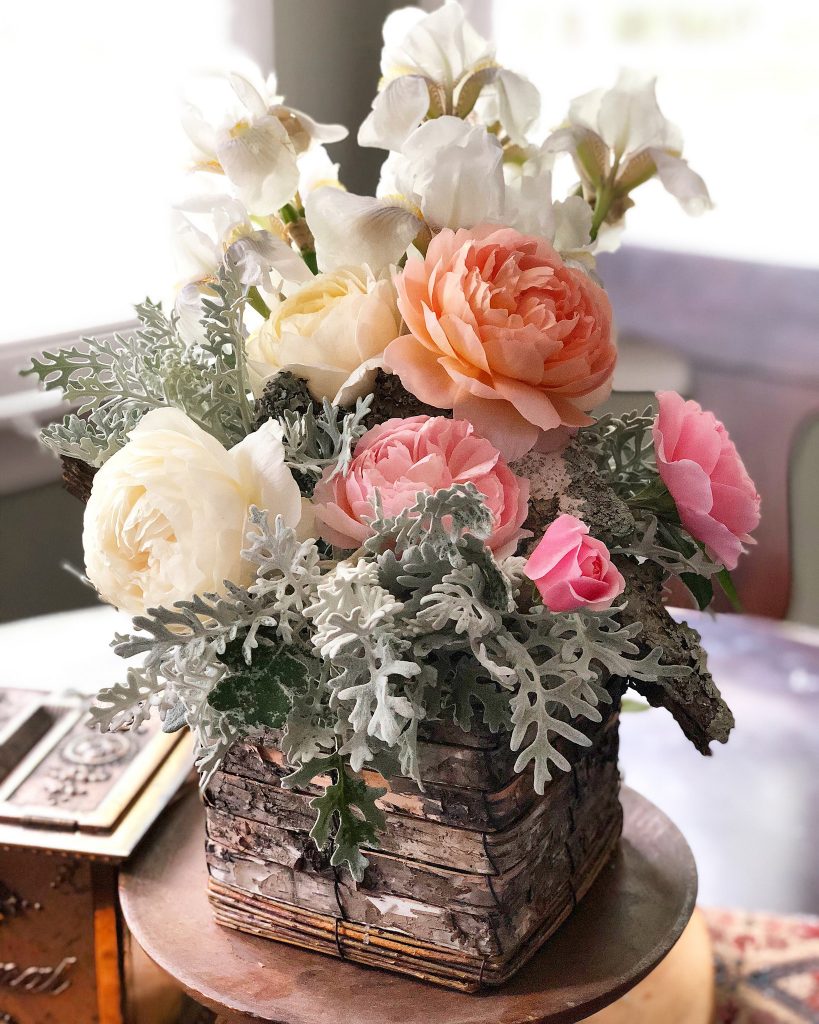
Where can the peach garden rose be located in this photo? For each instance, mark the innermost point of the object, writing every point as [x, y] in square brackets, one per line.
[504, 333]
[402, 457]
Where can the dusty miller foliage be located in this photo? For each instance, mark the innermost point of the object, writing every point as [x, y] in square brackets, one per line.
[623, 451]
[183, 648]
[348, 660]
[315, 441]
[93, 438]
[671, 547]
[113, 382]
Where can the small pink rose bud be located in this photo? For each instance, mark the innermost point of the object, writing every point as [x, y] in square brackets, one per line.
[573, 570]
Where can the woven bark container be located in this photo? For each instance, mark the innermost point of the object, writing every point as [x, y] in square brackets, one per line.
[473, 874]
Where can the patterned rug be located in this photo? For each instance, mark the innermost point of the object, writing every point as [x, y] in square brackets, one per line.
[767, 968]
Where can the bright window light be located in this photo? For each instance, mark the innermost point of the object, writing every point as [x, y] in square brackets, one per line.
[94, 151]
[740, 78]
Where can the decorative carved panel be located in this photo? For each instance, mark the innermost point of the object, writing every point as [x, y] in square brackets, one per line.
[73, 804]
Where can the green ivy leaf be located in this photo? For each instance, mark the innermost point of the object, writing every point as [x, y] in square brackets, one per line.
[726, 581]
[700, 587]
[347, 812]
[259, 693]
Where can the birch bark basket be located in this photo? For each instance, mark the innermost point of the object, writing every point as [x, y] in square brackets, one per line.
[473, 874]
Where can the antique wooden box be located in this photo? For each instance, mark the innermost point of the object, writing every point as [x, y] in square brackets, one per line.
[73, 805]
[473, 874]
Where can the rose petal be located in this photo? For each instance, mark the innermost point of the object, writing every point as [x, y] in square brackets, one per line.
[508, 322]
[699, 464]
[399, 458]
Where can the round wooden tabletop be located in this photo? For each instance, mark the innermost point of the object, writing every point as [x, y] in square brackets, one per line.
[626, 924]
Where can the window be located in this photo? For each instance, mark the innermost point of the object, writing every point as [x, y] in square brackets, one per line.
[741, 79]
[94, 150]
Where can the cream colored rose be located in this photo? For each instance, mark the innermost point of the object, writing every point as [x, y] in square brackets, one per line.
[167, 514]
[331, 332]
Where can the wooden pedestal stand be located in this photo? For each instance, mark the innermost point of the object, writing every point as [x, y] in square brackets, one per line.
[630, 919]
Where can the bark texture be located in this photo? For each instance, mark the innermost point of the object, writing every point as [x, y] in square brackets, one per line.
[391, 398]
[691, 697]
[473, 873]
[77, 477]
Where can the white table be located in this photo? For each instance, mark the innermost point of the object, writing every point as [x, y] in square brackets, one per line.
[67, 651]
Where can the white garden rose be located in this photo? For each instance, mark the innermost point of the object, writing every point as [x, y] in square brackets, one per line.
[167, 514]
[331, 332]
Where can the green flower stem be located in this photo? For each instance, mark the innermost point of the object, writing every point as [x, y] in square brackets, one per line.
[604, 198]
[602, 204]
[257, 302]
[729, 589]
[293, 214]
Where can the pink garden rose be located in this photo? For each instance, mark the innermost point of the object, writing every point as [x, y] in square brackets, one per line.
[573, 570]
[504, 333]
[401, 457]
[699, 464]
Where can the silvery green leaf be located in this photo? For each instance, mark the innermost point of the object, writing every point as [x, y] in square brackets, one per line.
[439, 519]
[92, 438]
[115, 381]
[287, 573]
[671, 548]
[470, 688]
[623, 450]
[315, 442]
[127, 705]
[544, 691]
[308, 731]
[457, 602]
[347, 817]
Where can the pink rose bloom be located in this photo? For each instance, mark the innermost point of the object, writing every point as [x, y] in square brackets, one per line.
[401, 457]
[699, 464]
[504, 333]
[573, 570]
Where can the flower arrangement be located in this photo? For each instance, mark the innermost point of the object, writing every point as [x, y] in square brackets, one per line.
[351, 484]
